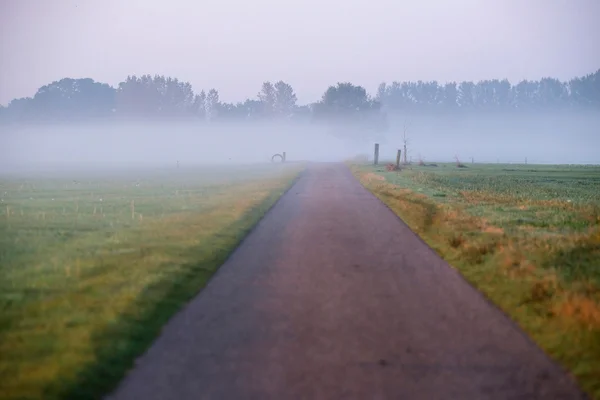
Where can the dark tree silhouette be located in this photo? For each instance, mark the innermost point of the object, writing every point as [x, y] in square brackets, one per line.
[67, 99]
[343, 104]
[267, 97]
[350, 110]
[212, 105]
[285, 99]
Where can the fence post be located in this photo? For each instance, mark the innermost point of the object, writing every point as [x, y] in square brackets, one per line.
[398, 158]
[376, 156]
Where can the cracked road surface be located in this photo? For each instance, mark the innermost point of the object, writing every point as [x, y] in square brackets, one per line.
[333, 297]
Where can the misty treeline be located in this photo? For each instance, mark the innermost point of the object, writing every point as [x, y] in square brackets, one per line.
[160, 97]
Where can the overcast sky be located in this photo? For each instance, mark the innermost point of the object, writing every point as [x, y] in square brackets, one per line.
[235, 45]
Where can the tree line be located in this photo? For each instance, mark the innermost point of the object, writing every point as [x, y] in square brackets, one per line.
[160, 97]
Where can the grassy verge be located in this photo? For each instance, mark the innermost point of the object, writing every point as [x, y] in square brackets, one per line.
[527, 236]
[90, 271]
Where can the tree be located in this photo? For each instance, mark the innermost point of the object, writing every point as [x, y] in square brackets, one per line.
[18, 110]
[350, 108]
[405, 141]
[525, 94]
[252, 108]
[503, 94]
[585, 91]
[175, 98]
[212, 105]
[345, 100]
[381, 95]
[450, 96]
[157, 96]
[285, 99]
[72, 99]
[347, 106]
[249, 109]
[267, 97]
[199, 105]
[137, 97]
[466, 99]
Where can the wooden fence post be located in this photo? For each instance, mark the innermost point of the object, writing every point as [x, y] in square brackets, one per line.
[398, 158]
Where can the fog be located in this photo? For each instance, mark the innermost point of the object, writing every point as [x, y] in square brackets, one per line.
[571, 137]
[234, 47]
[166, 144]
[567, 137]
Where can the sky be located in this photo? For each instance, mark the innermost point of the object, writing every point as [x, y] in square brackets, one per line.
[235, 45]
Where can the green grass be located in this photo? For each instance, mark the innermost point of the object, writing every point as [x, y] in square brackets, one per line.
[91, 267]
[527, 236]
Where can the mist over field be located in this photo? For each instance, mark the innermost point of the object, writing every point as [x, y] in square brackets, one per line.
[543, 138]
[568, 137]
[459, 79]
[463, 81]
[163, 144]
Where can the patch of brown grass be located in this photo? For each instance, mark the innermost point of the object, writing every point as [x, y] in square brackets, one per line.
[580, 310]
[373, 177]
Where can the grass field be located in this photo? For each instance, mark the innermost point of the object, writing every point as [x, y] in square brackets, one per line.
[527, 236]
[93, 264]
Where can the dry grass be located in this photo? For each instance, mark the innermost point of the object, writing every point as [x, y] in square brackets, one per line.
[542, 271]
[77, 311]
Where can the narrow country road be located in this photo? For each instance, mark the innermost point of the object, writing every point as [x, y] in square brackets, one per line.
[333, 297]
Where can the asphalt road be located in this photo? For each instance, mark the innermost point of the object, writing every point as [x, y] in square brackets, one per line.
[333, 297]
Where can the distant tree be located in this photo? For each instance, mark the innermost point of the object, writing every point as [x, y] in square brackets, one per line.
[302, 113]
[396, 97]
[484, 95]
[405, 142]
[344, 100]
[503, 94]
[252, 108]
[346, 106]
[525, 95]
[248, 110]
[69, 99]
[267, 96]
[199, 105]
[157, 96]
[450, 96]
[381, 95]
[552, 93]
[19, 110]
[585, 91]
[175, 98]
[350, 109]
[212, 105]
[137, 97]
[285, 99]
[230, 111]
[466, 95]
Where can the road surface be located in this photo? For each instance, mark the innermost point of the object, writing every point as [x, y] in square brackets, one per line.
[333, 297]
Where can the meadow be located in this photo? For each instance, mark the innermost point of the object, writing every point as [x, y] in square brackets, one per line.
[528, 236]
[93, 264]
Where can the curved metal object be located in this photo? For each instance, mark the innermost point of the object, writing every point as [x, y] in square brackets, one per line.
[277, 155]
